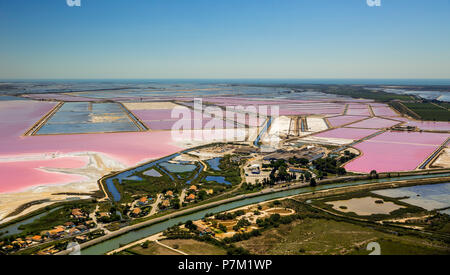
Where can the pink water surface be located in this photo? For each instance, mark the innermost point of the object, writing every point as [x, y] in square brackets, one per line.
[389, 157]
[358, 111]
[188, 124]
[342, 120]
[430, 125]
[347, 133]
[384, 111]
[396, 151]
[374, 123]
[22, 174]
[16, 117]
[418, 138]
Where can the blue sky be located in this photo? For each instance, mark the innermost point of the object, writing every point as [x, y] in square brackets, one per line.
[224, 39]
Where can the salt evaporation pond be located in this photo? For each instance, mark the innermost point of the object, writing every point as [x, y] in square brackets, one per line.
[374, 123]
[341, 120]
[395, 151]
[429, 197]
[87, 117]
[347, 133]
[178, 167]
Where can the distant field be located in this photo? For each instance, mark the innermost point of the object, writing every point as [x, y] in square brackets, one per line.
[189, 246]
[152, 249]
[375, 95]
[321, 236]
[428, 111]
[445, 104]
[193, 247]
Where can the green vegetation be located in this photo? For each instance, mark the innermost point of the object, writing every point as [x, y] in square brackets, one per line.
[55, 218]
[311, 231]
[400, 107]
[329, 165]
[149, 186]
[429, 111]
[229, 169]
[326, 236]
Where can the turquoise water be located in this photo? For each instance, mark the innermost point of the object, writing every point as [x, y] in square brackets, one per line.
[218, 179]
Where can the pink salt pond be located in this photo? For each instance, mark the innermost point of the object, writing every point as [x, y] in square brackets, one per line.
[374, 123]
[354, 111]
[342, 120]
[384, 111]
[395, 151]
[16, 117]
[430, 125]
[19, 175]
[347, 133]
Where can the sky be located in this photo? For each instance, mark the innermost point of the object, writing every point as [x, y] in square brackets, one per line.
[302, 39]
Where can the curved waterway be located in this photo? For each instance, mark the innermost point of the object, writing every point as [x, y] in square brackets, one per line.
[133, 236]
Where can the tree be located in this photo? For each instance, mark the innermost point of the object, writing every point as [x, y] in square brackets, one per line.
[222, 228]
[303, 161]
[313, 182]
[341, 171]
[190, 225]
[145, 244]
[373, 174]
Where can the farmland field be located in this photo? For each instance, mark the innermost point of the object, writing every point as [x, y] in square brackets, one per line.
[428, 111]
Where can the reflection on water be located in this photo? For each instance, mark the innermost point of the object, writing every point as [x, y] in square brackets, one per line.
[429, 197]
[178, 167]
[14, 228]
[218, 179]
[214, 163]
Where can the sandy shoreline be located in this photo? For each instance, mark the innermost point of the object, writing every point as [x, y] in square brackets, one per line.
[97, 166]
